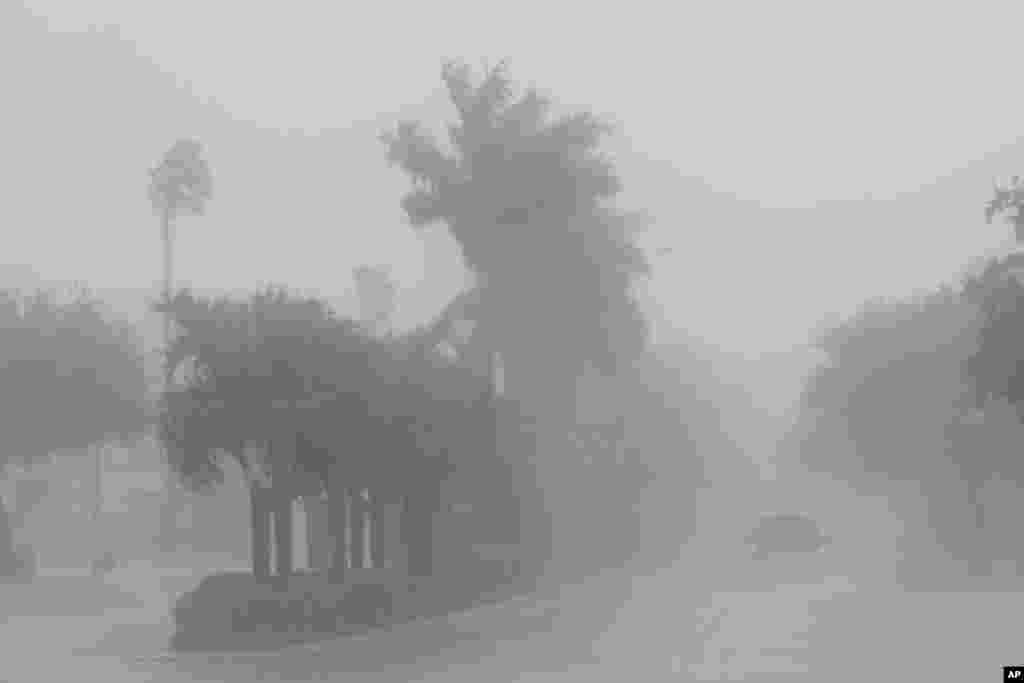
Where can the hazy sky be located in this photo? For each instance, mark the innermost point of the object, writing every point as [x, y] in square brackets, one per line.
[781, 105]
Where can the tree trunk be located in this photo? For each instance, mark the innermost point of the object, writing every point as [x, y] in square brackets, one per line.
[168, 283]
[260, 521]
[337, 523]
[172, 503]
[370, 530]
[357, 521]
[283, 527]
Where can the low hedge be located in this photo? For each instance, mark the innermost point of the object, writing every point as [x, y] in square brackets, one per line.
[235, 611]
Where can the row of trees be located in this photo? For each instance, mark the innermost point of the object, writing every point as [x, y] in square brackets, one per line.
[927, 389]
[282, 376]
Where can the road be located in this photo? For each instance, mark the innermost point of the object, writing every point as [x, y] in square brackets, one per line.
[709, 617]
[715, 614]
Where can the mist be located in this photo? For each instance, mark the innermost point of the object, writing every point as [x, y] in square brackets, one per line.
[565, 306]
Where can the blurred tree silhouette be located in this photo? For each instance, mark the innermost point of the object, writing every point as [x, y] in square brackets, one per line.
[258, 375]
[284, 373]
[892, 382]
[904, 384]
[69, 378]
[526, 199]
[1008, 200]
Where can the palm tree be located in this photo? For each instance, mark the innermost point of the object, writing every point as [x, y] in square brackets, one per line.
[1009, 201]
[181, 184]
[526, 198]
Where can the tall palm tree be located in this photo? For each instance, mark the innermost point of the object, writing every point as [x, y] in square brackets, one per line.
[1008, 200]
[526, 196]
[180, 185]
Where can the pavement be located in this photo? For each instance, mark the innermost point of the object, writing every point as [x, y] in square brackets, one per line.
[715, 614]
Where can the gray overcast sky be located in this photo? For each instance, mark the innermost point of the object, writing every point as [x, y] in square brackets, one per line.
[777, 107]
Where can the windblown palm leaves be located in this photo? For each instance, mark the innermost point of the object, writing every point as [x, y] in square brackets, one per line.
[525, 198]
[181, 183]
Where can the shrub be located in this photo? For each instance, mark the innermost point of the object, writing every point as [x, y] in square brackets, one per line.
[230, 611]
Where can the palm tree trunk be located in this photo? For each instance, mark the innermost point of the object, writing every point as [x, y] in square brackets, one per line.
[168, 254]
[172, 501]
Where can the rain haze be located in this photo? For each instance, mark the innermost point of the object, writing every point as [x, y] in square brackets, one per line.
[794, 161]
[788, 144]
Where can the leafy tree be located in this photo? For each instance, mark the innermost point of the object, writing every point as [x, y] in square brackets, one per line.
[69, 378]
[66, 360]
[526, 197]
[900, 394]
[893, 381]
[996, 368]
[285, 372]
[883, 406]
[246, 360]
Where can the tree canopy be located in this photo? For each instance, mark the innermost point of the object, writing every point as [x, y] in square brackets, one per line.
[69, 377]
[527, 197]
[923, 389]
[892, 384]
[277, 366]
[996, 369]
[182, 182]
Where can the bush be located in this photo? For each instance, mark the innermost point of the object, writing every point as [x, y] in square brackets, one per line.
[232, 611]
[19, 564]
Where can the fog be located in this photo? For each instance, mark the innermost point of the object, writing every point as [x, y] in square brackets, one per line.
[792, 162]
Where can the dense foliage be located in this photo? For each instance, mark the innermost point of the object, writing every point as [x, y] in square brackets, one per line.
[526, 198]
[69, 377]
[924, 390]
[891, 386]
[280, 366]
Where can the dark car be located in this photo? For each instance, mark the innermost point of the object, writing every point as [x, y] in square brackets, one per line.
[786, 533]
